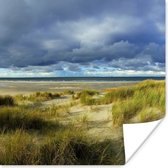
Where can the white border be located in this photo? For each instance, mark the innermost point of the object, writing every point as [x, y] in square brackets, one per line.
[154, 152]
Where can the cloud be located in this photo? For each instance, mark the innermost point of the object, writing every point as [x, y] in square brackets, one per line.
[39, 34]
[119, 67]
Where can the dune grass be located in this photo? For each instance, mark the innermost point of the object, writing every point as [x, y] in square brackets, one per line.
[150, 114]
[18, 148]
[56, 111]
[66, 147]
[68, 92]
[147, 95]
[117, 94]
[34, 134]
[38, 96]
[78, 95]
[16, 117]
[125, 110]
[86, 97]
[24, 118]
[7, 101]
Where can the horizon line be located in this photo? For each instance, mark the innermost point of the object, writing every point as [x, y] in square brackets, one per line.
[84, 77]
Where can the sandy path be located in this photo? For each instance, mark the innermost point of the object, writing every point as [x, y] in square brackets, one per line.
[58, 101]
[97, 120]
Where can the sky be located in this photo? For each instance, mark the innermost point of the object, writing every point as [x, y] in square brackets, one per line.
[50, 38]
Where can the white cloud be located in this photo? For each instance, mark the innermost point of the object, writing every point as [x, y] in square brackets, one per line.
[92, 32]
[119, 67]
[20, 72]
[124, 73]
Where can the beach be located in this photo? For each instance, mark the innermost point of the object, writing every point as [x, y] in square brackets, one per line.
[99, 125]
[51, 116]
[27, 87]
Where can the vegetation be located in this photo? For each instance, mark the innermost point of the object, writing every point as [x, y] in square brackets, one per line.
[117, 94]
[65, 147]
[69, 92]
[32, 132]
[84, 93]
[7, 101]
[86, 97]
[147, 101]
[20, 118]
[38, 96]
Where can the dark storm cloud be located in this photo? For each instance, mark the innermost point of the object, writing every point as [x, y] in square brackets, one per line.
[47, 32]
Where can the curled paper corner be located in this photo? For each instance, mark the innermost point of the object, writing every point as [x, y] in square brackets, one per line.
[135, 135]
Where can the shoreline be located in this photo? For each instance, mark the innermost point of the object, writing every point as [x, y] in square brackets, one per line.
[70, 82]
[28, 87]
[82, 79]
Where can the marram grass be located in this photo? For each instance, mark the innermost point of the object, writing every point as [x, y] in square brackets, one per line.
[65, 147]
[31, 133]
[7, 101]
[148, 101]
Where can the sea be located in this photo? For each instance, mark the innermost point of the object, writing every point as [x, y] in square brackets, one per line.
[73, 79]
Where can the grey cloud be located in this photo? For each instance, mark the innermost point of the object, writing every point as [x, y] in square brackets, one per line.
[48, 32]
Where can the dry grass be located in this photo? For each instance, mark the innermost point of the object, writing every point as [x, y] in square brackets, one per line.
[148, 94]
[32, 134]
[7, 101]
[67, 147]
[38, 97]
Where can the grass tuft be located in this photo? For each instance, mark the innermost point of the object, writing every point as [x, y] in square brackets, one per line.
[148, 94]
[19, 118]
[7, 101]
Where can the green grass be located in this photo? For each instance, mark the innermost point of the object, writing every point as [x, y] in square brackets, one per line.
[38, 97]
[150, 114]
[147, 95]
[116, 94]
[22, 118]
[18, 148]
[33, 133]
[7, 101]
[86, 97]
[125, 110]
[87, 100]
[83, 93]
[68, 92]
[67, 147]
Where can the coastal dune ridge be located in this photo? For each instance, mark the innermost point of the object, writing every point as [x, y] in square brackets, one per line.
[67, 122]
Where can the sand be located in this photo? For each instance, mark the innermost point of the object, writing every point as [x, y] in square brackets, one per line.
[97, 120]
[27, 87]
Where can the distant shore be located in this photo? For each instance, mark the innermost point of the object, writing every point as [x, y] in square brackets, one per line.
[74, 79]
[27, 87]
